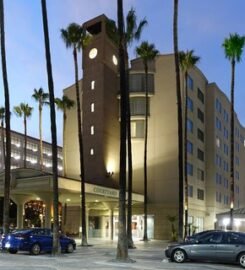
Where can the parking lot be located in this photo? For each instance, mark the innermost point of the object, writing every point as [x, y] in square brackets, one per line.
[101, 255]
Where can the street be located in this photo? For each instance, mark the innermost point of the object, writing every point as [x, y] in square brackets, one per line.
[101, 255]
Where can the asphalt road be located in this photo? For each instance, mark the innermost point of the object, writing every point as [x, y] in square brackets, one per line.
[102, 256]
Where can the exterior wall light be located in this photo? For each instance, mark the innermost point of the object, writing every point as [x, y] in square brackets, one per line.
[109, 174]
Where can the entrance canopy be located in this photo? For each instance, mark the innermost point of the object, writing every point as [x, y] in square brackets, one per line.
[35, 184]
[223, 219]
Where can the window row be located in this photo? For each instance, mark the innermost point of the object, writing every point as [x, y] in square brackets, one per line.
[200, 172]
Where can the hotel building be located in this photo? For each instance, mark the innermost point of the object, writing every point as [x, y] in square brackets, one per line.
[208, 134]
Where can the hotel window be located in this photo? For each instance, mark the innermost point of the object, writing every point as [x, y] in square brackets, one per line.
[218, 197]
[137, 128]
[92, 107]
[200, 135]
[237, 147]
[31, 159]
[200, 154]
[200, 95]
[226, 149]
[237, 161]
[237, 175]
[14, 140]
[137, 106]
[137, 83]
[47, 152]
[190, 83]
[218, 123]
[47, 163]
[189, 125]
[32, 146]
[226, 116]
[92, 130]
[226, 133]
[91, 151]
[225, 166]
[189, 104]
[15, 154]
[200, 115]
[218, 160]
[190, 191]
[200, 194]
[189, 147]
[218, 105]
[189, 169]
[218, 179]
[92, 85]
[200, 174]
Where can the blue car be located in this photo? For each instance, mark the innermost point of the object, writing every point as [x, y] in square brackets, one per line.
[35, 240]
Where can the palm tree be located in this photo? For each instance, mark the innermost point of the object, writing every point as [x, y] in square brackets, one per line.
[25, 111]
[180, 122]
[76, 38]
[187, 61]
[42, 98]
[147, 52]
[2, 118]
[56, 246]
[64, 104]
[233, 47]
[7, 124]
[132, 32]
[122, 245]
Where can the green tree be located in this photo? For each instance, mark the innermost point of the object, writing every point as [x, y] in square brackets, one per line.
[7, 124]
[233, 47]
[180, 120]
[56, 245]
[76, 38]
[42, 98]
[64, 104]
[25, 111]
[2, 119]
[147, 52]
[122, 244]
[187, 61]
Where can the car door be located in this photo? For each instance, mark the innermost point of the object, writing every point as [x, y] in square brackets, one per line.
[229, 248]
[205, 248]
[44, 238]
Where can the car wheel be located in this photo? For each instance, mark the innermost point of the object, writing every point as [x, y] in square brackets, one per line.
[70, 248]
[35, 249]
[13, 251]
[241, 260]
[179, 256]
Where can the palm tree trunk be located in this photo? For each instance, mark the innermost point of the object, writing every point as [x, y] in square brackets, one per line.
[145, 237]
[3, 144]
[56, 243]
[7, 124]
[25, 143]
[179, 114]
[232, 184]
[122, 246]
[80, 140]
[64, 142]
[185, 157]
[41, 136]
[130, 168]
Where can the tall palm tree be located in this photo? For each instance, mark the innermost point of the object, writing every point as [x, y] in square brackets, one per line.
[7, 124]
[132, 32]
[122, 245]
[42, 98]
[76, 38]
[180, 122]
[25, 111]
[147, 52]
[187, 61]
[233, 47]
[2, 119]
[64, 104]
[56, 246]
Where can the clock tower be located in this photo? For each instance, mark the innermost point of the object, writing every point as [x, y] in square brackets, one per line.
[100, 105]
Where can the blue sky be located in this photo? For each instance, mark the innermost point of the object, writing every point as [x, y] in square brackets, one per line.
[203, 25]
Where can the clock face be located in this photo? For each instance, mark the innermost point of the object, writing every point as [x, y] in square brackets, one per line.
[93, 53]
[114, 60]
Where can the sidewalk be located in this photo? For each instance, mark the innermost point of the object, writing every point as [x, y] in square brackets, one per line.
[101, 255]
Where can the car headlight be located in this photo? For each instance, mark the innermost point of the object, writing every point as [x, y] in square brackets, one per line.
[7, 245]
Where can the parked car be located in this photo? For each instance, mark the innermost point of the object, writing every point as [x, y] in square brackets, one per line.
[35, 240]
[196, 236]
[215, 246]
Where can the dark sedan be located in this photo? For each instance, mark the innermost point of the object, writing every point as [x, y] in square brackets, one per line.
[35, 240]
[215, 246]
